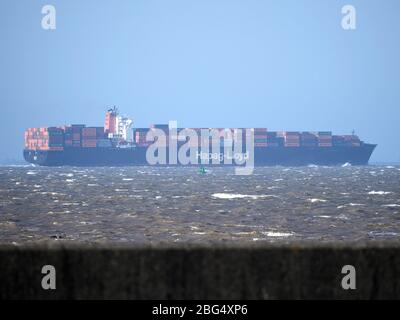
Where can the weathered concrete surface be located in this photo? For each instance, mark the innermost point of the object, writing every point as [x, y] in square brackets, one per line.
[200, 272]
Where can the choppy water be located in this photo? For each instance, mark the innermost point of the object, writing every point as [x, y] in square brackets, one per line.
[147, 204]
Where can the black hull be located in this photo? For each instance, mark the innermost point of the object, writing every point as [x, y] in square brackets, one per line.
[271, 156]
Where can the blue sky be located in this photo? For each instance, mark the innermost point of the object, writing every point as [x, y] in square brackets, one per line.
[284, 65]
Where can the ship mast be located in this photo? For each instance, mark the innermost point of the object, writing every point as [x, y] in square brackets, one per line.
[113, 110]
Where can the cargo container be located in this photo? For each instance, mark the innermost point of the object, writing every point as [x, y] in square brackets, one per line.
[291, 138]
[325, 139]
[51, 138]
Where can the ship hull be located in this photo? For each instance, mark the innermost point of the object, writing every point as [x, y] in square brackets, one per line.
[270, 156]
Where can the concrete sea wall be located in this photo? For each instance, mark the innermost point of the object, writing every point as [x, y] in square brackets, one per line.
[211, 271]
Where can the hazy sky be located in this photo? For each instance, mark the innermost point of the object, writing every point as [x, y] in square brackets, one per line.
[284, 65]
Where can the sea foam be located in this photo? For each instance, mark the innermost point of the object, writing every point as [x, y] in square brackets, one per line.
[230, 196]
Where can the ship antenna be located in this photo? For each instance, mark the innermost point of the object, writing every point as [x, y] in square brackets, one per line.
[353, 132]
[114, 110]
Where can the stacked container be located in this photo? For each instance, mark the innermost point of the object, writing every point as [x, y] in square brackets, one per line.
[163, 127]
[272, 139]
[90, 135]
[198, 133]
[193, 142]
[48, 139]
[325, 139]
[68, 136]
[77, 135]
[260, 137]
[352, 140]
[242, 137]
[346, 141]
[292, 139]
[140, 137]
[309, 139]
[227, 137]
[280, 136]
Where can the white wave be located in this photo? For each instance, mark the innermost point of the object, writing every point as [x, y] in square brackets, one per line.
[128, 215]
[347, 164]
[316, 200]
[135, 196]
[244, 233]
[381, 193]
[383, 233]
[277, 234]
[350, 205]
[51, 193]
[18, 198]
[230, 196]
[392, 205]
[31, 172]
[127, 179]
[18, 165]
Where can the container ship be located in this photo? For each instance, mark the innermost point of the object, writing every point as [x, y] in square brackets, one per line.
[118, 143]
